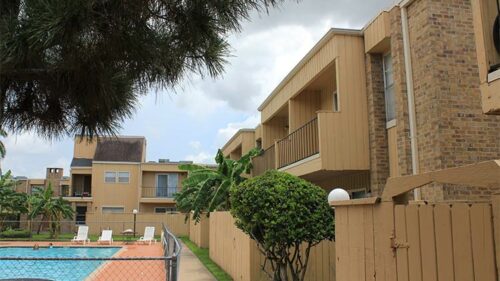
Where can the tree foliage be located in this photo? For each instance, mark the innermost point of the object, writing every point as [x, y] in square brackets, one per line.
[80, 66]
[12, 203]
[52, 209]
[207, 189]
[286, 216]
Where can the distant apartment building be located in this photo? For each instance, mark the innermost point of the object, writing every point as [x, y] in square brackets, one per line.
[398, 97]
[111, 175]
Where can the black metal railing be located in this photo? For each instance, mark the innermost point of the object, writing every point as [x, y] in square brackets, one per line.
[172, 251]
[300, 144]
[159, 192]
[264, 162]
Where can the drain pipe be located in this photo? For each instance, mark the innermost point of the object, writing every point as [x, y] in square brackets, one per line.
[410, 95]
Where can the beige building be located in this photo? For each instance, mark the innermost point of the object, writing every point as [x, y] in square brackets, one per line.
[111, 175]
[400, 96]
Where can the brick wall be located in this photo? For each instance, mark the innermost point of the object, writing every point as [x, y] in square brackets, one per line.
[379, 160]
[452, 130]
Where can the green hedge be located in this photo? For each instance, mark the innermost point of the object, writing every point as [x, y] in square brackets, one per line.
[12, 233]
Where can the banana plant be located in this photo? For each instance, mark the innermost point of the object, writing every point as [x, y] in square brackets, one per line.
[52, 209]
[207, 189]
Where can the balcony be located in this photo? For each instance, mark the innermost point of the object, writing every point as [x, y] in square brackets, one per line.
[158, 194]
[299, 145]
[329, 143]
[77, 194]
[264, 162]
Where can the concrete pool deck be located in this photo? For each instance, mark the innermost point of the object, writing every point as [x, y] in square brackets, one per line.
[191, 268]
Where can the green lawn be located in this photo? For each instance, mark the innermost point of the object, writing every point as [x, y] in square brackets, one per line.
[69, 236]
[204, 257]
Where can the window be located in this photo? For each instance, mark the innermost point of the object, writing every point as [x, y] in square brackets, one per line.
[390, 103]
[336, 102]
[112, 210]
[123, 177]
[110, 177]
[166, 184]
[114, 177]
[161, 210]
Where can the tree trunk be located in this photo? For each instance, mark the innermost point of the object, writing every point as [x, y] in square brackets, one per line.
[281, 272]
[40, 225]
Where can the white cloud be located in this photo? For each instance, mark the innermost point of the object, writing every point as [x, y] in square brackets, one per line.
[195, 145]
[201, 157]
[224, 134]
[29, 155]
[27, 143]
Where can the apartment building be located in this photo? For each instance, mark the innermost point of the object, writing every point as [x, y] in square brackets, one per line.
[111, 175]
[53, 176]
[400, 96]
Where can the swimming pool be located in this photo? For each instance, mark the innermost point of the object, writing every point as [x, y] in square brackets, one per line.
[72, 270]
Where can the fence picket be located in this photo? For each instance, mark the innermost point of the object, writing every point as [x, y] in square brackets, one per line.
[482, 242]
[462, 249]
[444, 242]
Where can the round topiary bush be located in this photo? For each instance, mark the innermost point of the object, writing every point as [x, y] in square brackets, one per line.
[286, 216]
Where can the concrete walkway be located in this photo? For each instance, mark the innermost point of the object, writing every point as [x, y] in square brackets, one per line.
[191, 267]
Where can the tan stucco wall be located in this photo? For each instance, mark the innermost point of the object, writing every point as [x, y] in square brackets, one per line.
[115, 194]
[84, 148]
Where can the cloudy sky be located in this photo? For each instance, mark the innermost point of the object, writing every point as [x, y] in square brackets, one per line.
[200, 116]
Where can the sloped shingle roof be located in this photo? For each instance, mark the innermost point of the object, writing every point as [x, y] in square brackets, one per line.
[120, 150]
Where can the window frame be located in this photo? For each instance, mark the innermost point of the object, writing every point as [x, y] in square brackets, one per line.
[106, 177]
[115, 207]
[116, 177]
[392, 122]
[167, 210]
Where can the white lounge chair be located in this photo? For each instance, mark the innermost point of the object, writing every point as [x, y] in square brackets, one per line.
[106, 237]
[149, 235]
[82, 235]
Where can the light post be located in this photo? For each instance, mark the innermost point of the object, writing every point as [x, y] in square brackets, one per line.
[135, 218]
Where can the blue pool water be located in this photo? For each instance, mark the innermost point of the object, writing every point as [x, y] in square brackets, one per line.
[52, 270]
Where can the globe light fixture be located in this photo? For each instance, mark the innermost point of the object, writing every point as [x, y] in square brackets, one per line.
[338, 194]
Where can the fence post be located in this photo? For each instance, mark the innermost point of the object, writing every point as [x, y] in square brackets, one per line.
[495, 200]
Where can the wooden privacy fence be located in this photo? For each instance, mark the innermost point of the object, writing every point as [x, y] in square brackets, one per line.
[390, 239]
[119, 222]
[239, 256]
[198, 232]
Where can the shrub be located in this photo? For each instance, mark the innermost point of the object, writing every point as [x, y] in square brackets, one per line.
[15, 233]
[286, 216]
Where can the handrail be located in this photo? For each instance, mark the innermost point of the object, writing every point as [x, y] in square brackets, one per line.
[172, 252]
[315, 119]
[298, 145]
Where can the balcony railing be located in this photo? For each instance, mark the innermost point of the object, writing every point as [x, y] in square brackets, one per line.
[158, 192]
[300, 144]
[264, 162]
[65, 192]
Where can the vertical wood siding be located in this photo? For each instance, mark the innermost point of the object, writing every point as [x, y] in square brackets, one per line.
[377, 32]
[199, 232]
[443, 241]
